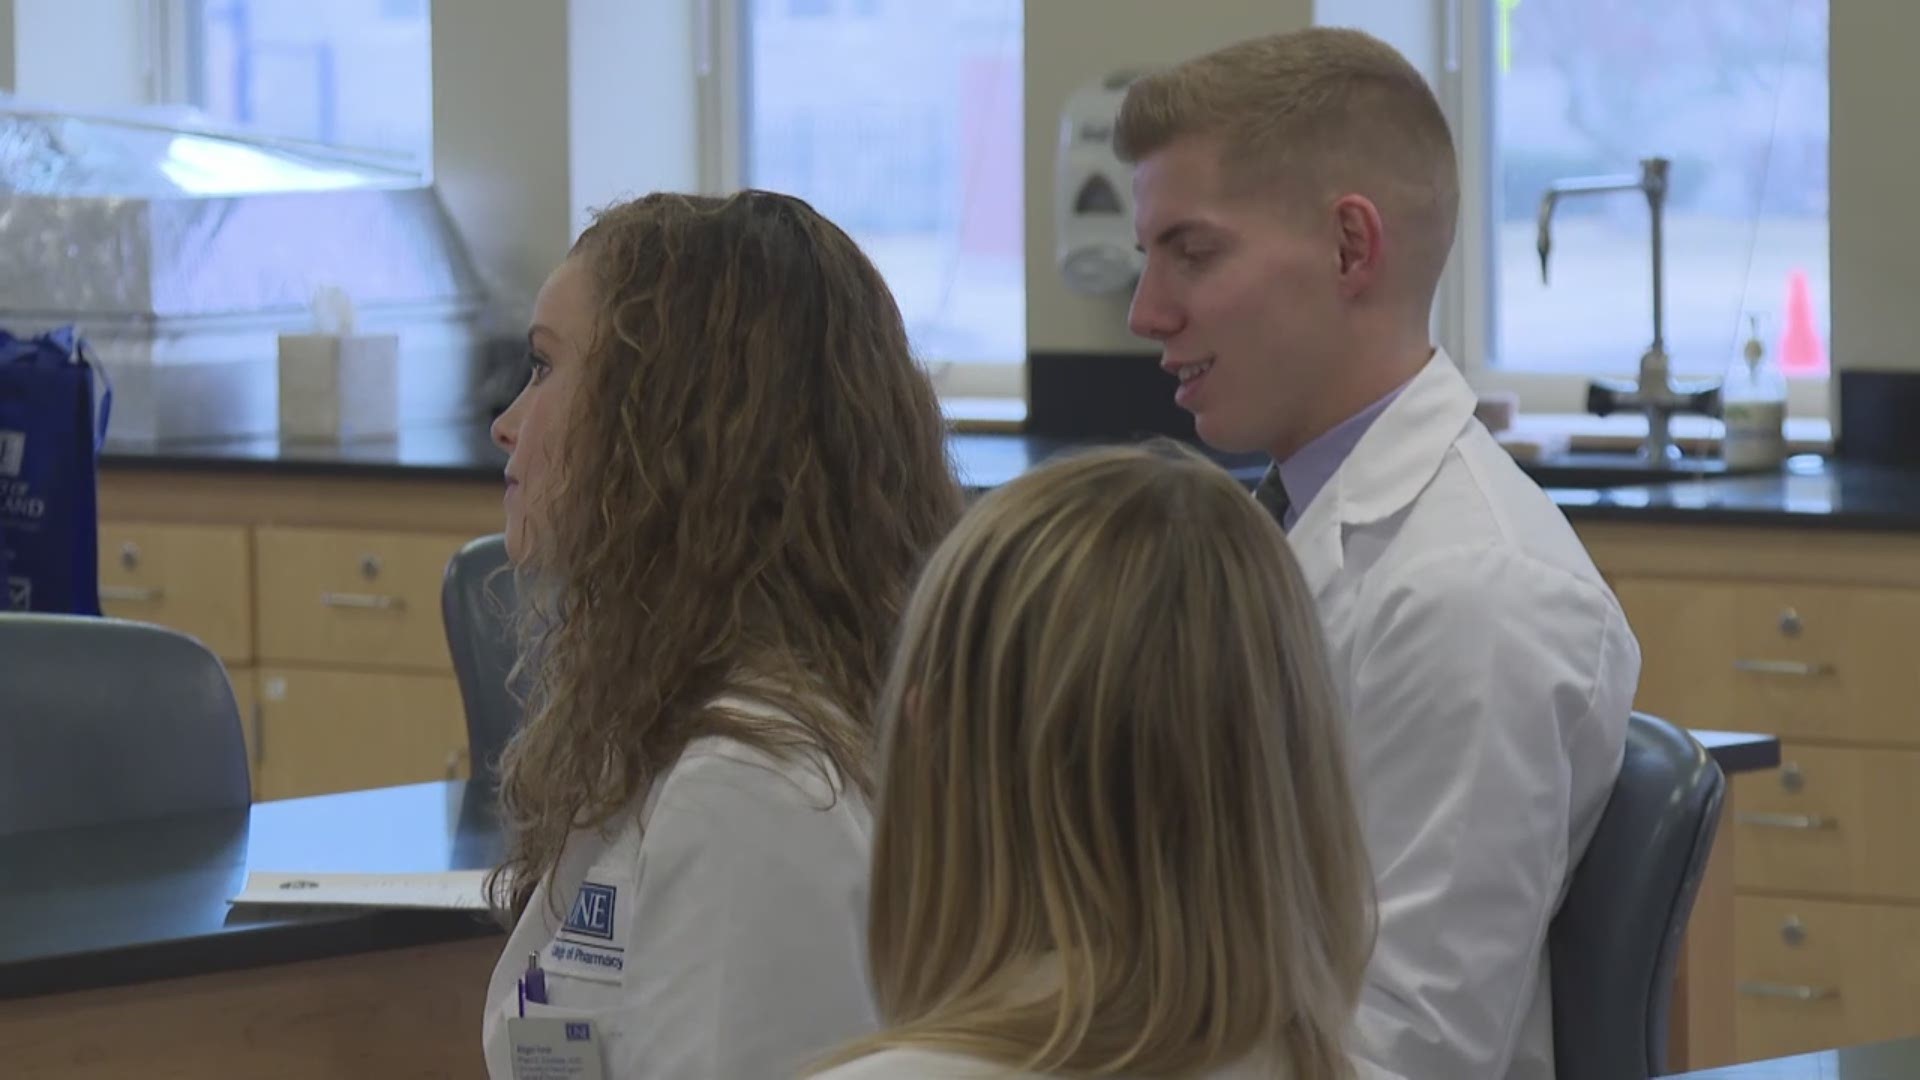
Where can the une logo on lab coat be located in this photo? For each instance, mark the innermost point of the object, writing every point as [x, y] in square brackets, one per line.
[592, 914]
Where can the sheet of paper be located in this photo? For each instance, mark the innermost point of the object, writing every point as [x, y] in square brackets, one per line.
[454, 890]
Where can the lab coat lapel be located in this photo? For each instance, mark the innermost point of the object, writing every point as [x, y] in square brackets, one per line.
[1393, 462]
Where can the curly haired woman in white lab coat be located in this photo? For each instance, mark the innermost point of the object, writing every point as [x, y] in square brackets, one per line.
[1115, 833]
[724, 471]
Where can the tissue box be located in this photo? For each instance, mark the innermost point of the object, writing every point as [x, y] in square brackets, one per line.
[339, 386]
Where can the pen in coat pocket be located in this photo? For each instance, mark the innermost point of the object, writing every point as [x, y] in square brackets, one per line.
[535, 982]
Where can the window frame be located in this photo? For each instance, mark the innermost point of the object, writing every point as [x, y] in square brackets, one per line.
[721, 29]
[172, 32]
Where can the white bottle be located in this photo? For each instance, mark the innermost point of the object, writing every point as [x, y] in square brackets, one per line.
[1753, 402]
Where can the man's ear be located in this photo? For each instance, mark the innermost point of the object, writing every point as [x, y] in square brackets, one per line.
[1361, 238]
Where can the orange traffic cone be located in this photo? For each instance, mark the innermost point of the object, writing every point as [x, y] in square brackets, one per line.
[1801, 350]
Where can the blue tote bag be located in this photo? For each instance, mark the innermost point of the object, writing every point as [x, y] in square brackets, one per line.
[50, 438]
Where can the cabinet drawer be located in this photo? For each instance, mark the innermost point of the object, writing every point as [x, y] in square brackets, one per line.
[190, 578]
[353, 597]
[1833, 820]
[1826, 661]
[1817, 974]
[316, 732]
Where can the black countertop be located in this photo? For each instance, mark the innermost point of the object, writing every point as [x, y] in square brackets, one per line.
[1739, 752]
[1809, 493]
[1898, 1060]
[126, 903]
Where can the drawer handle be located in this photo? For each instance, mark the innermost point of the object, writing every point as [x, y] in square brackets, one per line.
[1788, 991]
[132, 594]
[1786, 821]
[1793, 931]
[363, 601]
[1783, 667]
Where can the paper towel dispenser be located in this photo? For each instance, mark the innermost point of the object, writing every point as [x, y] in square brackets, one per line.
[1093, 193]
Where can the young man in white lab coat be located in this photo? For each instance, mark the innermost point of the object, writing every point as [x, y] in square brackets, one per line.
[1296, 198]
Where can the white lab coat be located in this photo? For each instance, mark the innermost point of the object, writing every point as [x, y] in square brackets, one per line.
[721, 929]
[1488, 673]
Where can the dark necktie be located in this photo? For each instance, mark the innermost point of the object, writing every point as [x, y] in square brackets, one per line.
[1271, 494]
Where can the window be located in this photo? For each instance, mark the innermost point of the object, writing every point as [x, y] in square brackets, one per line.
[352, 74]
[1734, 92]
[901, 121]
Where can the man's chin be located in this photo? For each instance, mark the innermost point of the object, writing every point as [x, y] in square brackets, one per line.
[1226, 437]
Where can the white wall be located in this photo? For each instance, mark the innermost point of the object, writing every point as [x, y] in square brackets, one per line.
[633, 107]
[1873, 217]
[544, 110]
[500, 139]
[6, 45]
[79, 54]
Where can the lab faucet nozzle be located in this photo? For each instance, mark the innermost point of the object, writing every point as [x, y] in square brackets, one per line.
[1545, 242]
[1652, 181]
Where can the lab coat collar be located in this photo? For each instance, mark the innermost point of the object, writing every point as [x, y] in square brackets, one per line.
[1393, 462]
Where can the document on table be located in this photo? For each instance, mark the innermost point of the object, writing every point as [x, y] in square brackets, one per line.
[451, 890]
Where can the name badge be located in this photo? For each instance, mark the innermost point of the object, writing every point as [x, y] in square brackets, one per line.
[554, 1048]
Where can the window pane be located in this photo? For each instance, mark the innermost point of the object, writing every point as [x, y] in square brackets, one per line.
[901, 121]
[348, 73]
[1734, 92]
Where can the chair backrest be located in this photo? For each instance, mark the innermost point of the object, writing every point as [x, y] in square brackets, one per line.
[1614, 941]
[103, 720]
[477, 599]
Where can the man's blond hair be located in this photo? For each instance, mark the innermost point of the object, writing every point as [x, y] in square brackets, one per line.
[1311, 115]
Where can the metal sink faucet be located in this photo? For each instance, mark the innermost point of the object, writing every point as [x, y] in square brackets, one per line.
[1655, 394]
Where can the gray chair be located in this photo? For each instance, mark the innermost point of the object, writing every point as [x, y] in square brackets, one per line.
[103, 720]
[477, 599]
[1615, 938]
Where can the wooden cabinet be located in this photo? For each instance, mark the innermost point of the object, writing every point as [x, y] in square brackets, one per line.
[322, 731]
[322, 596]
[358, 690]
[353, 598]
[1808, 636]
[195, 579]
[1820, 973]
[1686, 655]
[1832, 820]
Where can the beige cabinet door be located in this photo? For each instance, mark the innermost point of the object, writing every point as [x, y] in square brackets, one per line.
[1686, 650]
[1815, 974]
[353, 598]
[324, 731]
[191, 578]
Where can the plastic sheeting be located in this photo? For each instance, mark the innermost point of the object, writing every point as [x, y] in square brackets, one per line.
[114, 217]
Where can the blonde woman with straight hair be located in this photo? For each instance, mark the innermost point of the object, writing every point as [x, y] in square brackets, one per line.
[1114, 831]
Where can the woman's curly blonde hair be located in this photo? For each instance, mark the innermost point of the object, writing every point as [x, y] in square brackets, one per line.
[753, 472]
